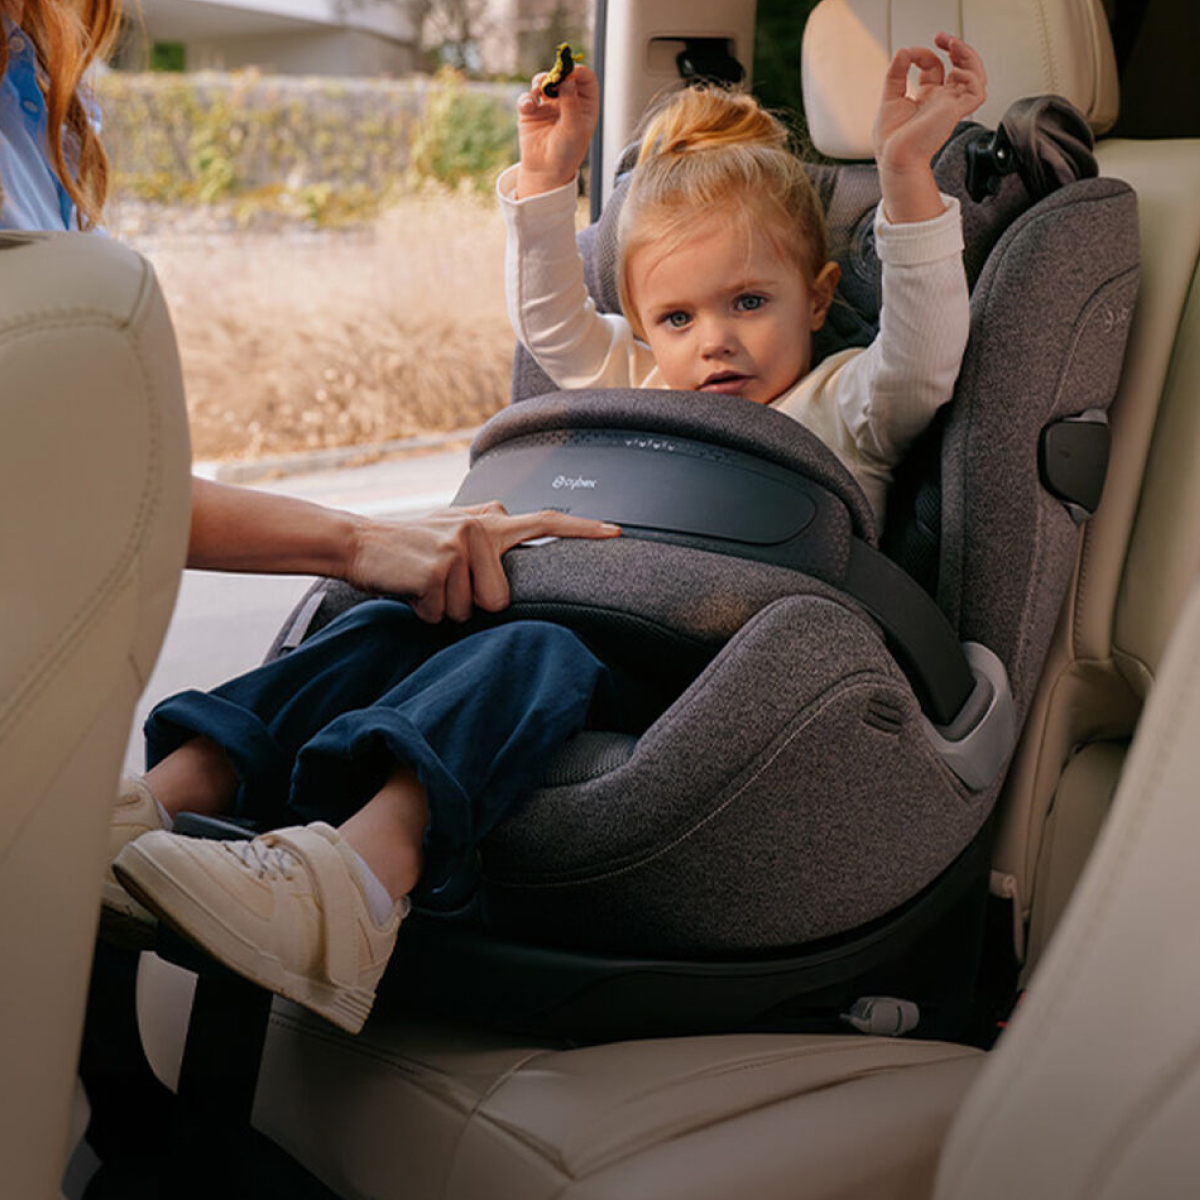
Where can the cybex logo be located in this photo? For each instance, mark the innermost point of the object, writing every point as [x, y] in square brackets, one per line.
[562, 481]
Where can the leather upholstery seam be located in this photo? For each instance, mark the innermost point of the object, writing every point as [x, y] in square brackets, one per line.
[45, 667]
[683, 1127]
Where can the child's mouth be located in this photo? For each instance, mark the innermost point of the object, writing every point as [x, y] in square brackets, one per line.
[724, 381]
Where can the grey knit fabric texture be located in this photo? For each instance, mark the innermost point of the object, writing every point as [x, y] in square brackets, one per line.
[789, 792]
[1049, 320]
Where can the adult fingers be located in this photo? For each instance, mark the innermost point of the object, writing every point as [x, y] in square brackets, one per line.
[430, 605]
[488, 581]
[549, 523]
[488, 508]
[458, 601]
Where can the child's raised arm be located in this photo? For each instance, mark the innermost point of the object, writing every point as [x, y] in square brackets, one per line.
[910, 129]
[554, 133]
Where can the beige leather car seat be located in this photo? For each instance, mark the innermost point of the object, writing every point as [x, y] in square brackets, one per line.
[1094, 1091]
[94, 465]
[1138, 560]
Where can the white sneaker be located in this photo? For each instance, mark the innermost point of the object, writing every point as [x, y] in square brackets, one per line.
[136, 813]
[286, 910]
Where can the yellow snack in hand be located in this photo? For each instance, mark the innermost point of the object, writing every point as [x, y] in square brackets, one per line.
[564, 64]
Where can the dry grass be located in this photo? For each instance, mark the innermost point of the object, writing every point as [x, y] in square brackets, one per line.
[292, 340]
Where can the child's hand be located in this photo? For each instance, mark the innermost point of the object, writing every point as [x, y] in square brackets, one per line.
[555, 133]
[910, 129]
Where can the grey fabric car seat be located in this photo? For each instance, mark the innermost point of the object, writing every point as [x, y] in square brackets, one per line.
[729, 830]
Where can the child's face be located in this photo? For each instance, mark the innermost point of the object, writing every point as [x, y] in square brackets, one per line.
[726, 313]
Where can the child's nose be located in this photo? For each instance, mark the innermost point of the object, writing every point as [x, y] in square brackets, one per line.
[716, 337]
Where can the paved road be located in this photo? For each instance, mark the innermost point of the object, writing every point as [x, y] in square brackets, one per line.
[223, 623]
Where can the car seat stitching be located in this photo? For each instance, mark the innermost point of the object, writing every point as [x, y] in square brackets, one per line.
[687, 1124]
[361, 1047]
[38, 319]
[832, 1045]
[477, 1113]
[419, 1076]
[62, 644]
[1047, 51]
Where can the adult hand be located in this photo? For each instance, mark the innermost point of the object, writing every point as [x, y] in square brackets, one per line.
[555, 133]
[448, 563]
[910, 128]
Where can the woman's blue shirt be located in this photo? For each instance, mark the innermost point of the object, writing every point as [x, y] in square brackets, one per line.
[32, 196]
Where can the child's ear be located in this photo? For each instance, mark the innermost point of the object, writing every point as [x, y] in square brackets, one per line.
[821, 293]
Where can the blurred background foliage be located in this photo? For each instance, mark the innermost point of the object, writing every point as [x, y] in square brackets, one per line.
[332, 151]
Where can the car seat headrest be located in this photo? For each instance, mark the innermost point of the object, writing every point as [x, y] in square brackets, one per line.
[1049, 143]
[1031, 47]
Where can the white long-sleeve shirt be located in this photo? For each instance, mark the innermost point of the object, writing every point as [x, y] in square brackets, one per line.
[867, 405]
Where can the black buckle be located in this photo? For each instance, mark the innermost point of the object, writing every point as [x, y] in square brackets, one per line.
[989, 158]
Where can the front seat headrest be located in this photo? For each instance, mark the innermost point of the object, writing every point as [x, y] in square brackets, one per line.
[1030, 47]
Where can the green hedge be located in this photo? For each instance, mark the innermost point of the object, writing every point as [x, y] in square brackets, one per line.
[333, 150]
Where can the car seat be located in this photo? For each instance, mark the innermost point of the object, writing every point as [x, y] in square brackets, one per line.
[1138, 558]
[94, 464]
[1092, 1093]
[806, 822]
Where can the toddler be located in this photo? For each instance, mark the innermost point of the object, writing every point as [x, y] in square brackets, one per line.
[414, 740]
[722, 266]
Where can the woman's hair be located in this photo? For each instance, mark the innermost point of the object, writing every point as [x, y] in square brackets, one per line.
[707, 149]
[69, 35]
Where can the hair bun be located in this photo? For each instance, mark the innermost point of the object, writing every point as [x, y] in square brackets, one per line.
[704, 118]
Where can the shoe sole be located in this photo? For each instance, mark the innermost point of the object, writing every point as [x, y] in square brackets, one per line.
[142, 877]
[123, 921]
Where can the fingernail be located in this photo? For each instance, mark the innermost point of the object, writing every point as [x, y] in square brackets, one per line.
[609, 528]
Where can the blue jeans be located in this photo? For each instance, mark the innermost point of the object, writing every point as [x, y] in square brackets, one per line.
[314, 734]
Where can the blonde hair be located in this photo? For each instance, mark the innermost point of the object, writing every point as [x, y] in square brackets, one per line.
[707, 148]
[68, 37]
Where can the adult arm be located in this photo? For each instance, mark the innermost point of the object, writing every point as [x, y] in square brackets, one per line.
[444, 564]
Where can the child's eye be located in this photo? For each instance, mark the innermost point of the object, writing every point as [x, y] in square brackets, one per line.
[749, 303]
[677, 319]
